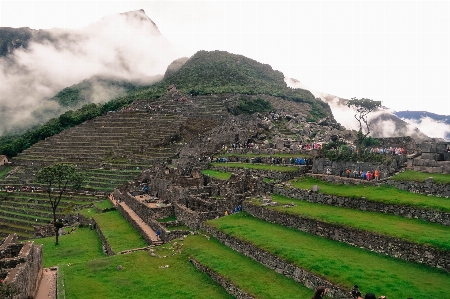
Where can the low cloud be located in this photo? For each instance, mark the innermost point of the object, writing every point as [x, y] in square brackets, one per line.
[431, 127]
[126, 46]
[383, 122]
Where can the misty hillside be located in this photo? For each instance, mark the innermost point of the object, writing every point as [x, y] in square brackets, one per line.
[204, 73]
[434, 125]
[13, 38]
[417, 115]
[384, 123]
[114, 55]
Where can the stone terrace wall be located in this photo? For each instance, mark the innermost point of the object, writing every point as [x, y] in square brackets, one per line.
[364, 205]
[226, 284]
[106, 247]
[271, 174]
[321, 165]
[277, 264]
[386, 245]
[192, 219]
[427, 187]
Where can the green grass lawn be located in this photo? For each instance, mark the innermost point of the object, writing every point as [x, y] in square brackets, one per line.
[78, 247]
[104, 204]
[140, 277]
[221, 175]
[385, 194]
[5, 171]
[339, 263]
[391, 225]
[88, 212]
[249, 275]
[412, 175]
[279, 168]
[118, 232]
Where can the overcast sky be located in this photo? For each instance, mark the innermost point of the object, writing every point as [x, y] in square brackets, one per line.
[395, 52]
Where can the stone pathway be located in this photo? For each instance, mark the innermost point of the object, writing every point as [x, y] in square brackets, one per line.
[145, 228]
[47, 286]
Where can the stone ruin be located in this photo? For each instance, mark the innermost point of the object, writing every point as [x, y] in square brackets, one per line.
[21, 266]
[187, 194]
[434, 158]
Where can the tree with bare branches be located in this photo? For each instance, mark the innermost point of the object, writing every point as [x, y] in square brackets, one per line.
[58, 178]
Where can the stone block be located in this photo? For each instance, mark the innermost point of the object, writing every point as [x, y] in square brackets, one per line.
[441, 147]
[437, 169]
[425, 147]
[429, 156]
[429, 163]
[418, 162]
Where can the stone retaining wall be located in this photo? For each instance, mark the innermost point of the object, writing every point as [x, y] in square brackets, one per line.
[192, 219]
[226, 284]
[271, 174]
[427, 187]
[378, 243]
[364, 205]
[321, 165]
[277, 264]
[106, 247]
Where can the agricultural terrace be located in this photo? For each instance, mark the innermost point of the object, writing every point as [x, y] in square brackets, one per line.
[220, 175]
[391, 225]
[385, 194]
[278, 168]
[412, 175]
[252, 155]
[247, 274]
[118, 232]
[337, 262]
[88, 273]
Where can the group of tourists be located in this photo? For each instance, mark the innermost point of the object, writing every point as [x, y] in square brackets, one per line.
[355, 174]
[236, 210]
[389, 150]
[20, 189]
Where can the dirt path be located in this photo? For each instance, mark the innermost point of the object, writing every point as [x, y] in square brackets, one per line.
[47, 287]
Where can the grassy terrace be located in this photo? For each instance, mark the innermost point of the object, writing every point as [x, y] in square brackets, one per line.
[251, 155]
[385, 194]
[256, 166]
[140, 277]
[245, 273]
[411, 175]
[340, 263]
[118, 232]
[88, 273]
[5, 171]
[390, 225]
[221, 175]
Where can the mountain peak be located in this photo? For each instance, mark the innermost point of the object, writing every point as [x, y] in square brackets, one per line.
[140, 15]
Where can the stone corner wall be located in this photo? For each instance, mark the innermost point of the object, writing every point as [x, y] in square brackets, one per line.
[27, 273]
